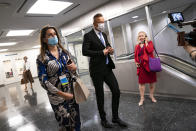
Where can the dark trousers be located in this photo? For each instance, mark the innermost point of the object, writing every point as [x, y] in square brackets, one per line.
[108, 77]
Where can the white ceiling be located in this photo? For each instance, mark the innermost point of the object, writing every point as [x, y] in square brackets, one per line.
[13, 16]
[155, 9]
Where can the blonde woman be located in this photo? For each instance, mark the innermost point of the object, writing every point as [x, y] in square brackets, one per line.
[143, 50]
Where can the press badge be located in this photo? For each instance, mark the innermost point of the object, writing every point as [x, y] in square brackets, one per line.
[63, 80]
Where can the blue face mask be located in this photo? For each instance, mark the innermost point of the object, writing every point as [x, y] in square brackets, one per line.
[53, 41]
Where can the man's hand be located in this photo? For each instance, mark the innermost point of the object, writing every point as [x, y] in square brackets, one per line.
[111, 50]
[106, 51]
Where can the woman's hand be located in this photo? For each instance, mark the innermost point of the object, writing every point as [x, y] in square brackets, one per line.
[137, 65]
[146, 41]
[71, 67]
[67, 96]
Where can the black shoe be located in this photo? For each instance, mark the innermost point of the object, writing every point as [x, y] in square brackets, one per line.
[106, 124]
[120, 122]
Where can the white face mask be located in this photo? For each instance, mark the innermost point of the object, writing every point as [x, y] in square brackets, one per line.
[101, 26]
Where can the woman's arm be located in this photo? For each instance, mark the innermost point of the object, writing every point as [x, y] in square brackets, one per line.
[67, 96]
[43, 78]
[136, 56]
[149, 47]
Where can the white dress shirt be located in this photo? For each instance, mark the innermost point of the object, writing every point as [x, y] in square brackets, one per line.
[97, 33]
[26, 66]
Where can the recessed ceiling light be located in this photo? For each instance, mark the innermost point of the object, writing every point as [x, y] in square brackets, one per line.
[8, 44]
[134, 17]
[19, 32]
[164, 12]
[2, 50]
[48, 7]
[37, 46]
[4, 4]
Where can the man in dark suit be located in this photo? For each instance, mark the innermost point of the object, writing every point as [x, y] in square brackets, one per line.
[97, 47]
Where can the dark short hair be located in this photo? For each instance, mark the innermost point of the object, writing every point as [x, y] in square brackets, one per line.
[97, 15]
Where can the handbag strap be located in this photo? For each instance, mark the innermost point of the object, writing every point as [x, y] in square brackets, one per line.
[156, 51]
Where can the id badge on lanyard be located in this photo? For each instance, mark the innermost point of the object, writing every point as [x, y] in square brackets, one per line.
[64, 80]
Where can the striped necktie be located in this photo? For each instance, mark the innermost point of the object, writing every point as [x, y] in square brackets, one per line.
[103, 42]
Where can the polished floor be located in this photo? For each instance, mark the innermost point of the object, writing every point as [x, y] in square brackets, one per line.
[31, 111]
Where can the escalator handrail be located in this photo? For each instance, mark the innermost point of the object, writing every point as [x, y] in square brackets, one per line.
[173, 57]
[131, 56]
[185, 62]
[190, 64]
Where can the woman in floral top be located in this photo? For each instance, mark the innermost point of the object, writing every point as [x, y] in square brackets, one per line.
[54, 76]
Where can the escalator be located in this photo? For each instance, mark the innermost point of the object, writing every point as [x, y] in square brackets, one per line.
[171, 61]
[179, 64]
[177, 78]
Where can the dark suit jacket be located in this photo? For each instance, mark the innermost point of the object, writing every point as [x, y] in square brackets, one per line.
[93, 48]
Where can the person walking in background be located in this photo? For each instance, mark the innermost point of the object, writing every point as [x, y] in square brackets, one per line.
[97, 47]
[27, 76]
[143, 50]
[54, 71]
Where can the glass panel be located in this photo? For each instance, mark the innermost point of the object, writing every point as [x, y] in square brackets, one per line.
[88, 29]
[119, 41]
[75, 47]
[164, 37]
[71, 49]
[82, 60]
[125, 34]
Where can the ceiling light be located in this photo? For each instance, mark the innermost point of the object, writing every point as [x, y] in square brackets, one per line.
[164, 12]
[134, 17]
[2, 50]
[48, 7]
[19, 32]
[37, 46]
[4, 4]
[8, 44]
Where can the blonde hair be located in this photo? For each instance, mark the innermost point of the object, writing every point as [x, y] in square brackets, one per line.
[140, 33]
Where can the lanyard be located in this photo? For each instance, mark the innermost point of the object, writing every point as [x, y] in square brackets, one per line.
[60, 66]
[61, 62]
